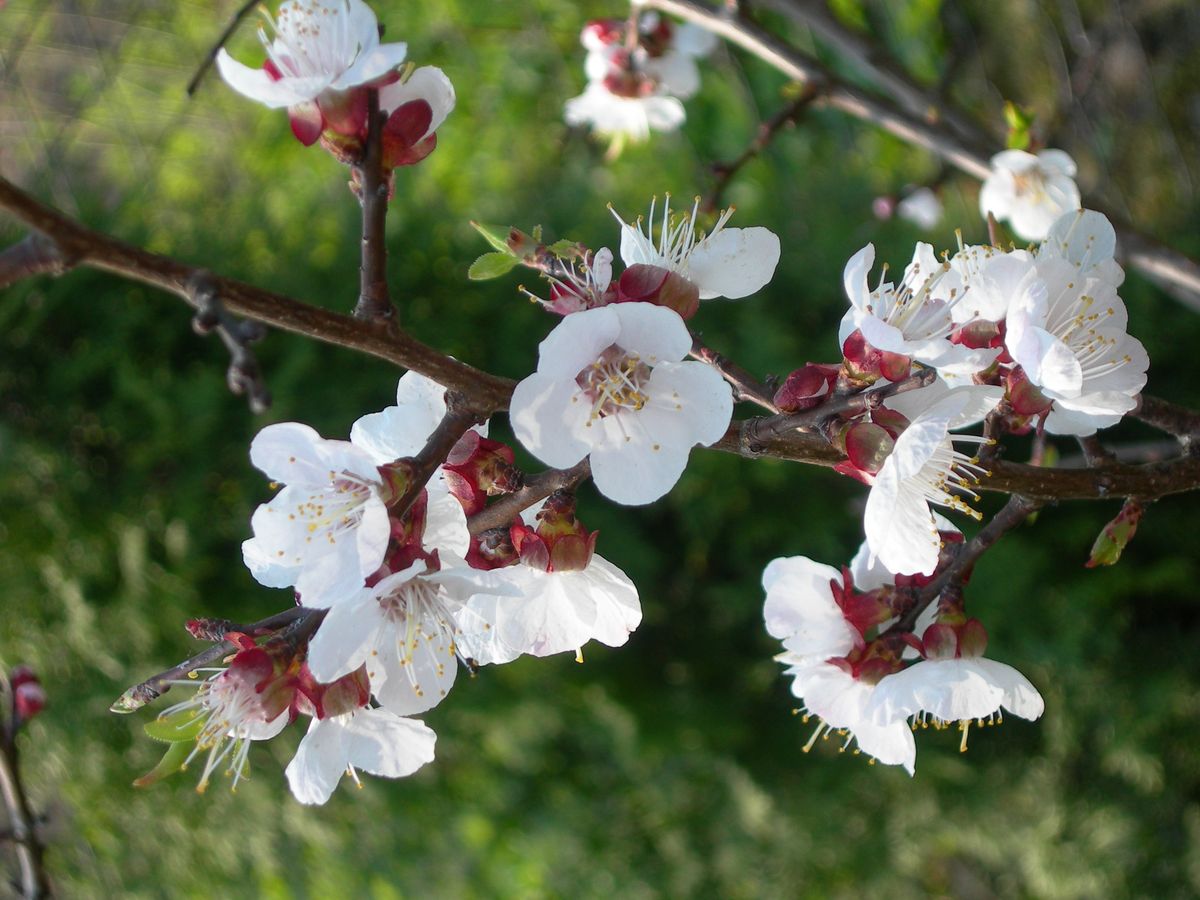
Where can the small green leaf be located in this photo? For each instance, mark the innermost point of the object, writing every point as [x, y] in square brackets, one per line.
[171, 762]
[182, 726]
[1116, 535]
[564, 249]
[492, 265]
[537, 233]
[1019, 121]
[496, 235]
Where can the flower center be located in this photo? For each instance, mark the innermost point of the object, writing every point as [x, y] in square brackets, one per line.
[615, 381]
[335, 509]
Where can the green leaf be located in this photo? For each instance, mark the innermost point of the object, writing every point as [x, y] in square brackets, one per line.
[171, 762]
[565, 249]
[492, 265]
[180, 727]
[496, 235]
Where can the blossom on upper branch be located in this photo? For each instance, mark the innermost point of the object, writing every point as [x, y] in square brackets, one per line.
[1030, 191]
[322, 50]
[610, 384]
[912, 320]
[725, 262]
[636, 87]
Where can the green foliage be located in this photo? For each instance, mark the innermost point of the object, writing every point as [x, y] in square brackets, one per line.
[670, 767]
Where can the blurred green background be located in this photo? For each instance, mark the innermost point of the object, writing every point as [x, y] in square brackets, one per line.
[670, 767]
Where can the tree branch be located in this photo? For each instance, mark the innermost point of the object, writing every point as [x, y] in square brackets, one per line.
[490, 393]
[35, 254]
[537, 488]
[374, 304]
[98, 251]
[725, 172]
[746, 388]
[1016, 511]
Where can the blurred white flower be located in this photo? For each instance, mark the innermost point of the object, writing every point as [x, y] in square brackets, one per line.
[1030, 191]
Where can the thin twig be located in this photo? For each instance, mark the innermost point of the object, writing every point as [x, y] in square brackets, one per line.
[873, 61]
[785, 117]
[842, 404]
[244, 374]
[35, 254]
[460, 416]
[746, 388]
[211, 56]
[374, 304]
[537, 488]
[154, 687]
[1172, 418]
[959, 569]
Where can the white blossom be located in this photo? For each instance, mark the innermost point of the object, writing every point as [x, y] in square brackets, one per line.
[914, 318]
[922, 208]
[321, 50]
[923, 468]
[1067, 331]
[841, 703]
[946, 691]
[327, 529]
[610, 385]
[374, 740]
[726, 262]
[1030, 191]
[554, 612]
[800, 610]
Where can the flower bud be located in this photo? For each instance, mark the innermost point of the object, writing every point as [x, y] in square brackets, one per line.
[806, 387]
[29, 698]
[560, 543]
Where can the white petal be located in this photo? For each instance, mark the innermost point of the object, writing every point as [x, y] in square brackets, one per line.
[372, 64]
[549, 417]
[854, 276]
[899, 526]
[319, 763]
[382, 743]
[656, 334]
[259, 86]
[734, 262]
[696, 394]
[578, 341]
[347, 636]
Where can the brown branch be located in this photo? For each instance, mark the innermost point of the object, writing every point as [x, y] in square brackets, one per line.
[787, 116]
[374, 304]
[460, 415]
[746, 388]
[1173, 271]
[491, 393]
[537, 488]
[98, 251]
[1172, 418]
[244, 375]
[1016, 511]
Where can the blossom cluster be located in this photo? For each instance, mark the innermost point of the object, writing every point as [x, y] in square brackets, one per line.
[402, 591]
[1033, 338]
[637, 77]
[872, 678]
